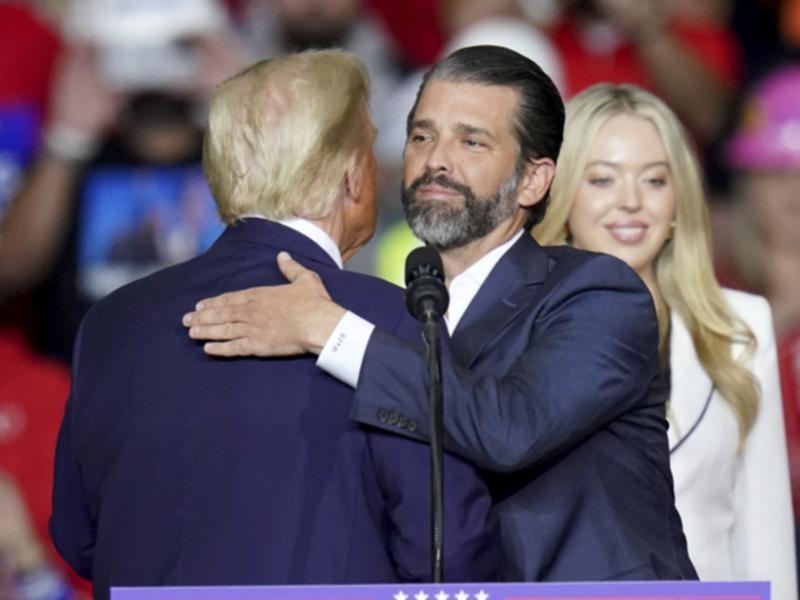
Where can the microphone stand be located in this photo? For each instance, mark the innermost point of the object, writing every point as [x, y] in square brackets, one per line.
[427, 300]
[430, 332]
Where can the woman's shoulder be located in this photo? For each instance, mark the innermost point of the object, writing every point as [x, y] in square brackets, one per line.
[745, 300]
[755, 311]
[752, 308]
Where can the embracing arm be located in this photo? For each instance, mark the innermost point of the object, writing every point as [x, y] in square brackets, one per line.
[283, 320]
[587, 357]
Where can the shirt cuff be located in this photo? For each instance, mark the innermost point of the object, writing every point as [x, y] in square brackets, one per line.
[343, 353]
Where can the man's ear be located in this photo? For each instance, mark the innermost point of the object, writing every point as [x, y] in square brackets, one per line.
[354, 176]
[536, 180]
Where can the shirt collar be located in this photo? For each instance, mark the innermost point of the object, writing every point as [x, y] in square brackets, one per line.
[480, 269]
[317, 235]
[464, 287]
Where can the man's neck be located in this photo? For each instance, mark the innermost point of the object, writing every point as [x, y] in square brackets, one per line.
[458, 260]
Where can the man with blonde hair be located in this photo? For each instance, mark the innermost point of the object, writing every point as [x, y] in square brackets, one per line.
[176, 469]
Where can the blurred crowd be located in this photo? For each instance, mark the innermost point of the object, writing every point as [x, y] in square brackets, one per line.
[102, 106]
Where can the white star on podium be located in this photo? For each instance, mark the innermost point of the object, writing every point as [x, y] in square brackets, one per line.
[481, 596]
[400, 596]
[421, 596]
[462, 595]
[442, 595]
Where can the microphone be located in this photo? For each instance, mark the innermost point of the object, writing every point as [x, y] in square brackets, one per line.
[426, 295]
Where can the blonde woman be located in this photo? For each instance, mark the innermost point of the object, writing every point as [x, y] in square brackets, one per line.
[628, 184]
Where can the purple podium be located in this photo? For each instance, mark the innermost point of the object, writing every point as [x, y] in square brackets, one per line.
[661, 590]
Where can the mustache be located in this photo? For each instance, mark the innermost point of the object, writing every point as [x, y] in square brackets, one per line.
[442, 181]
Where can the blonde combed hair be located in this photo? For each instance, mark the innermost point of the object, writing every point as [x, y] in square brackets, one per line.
[684, 271]
[282, 132]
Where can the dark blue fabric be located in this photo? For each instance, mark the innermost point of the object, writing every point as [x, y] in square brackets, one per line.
[552, 385]
[175, 468]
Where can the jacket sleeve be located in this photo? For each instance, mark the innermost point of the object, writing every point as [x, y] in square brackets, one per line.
[763, 532]
[71, 527]
[587, 355]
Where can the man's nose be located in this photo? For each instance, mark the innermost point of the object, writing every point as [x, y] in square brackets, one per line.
[438, 159]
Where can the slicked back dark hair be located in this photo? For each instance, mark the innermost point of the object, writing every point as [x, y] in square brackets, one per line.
[539, 118]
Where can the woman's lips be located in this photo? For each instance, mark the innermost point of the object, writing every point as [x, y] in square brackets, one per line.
[631, 232]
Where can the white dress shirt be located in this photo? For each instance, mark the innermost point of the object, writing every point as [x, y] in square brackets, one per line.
[343, 352]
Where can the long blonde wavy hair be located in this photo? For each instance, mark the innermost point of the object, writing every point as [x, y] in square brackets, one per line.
[684, 272]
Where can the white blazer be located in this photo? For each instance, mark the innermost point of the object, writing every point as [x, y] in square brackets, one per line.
[736, 507]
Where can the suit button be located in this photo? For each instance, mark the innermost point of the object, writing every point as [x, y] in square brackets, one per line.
[393, 418]
[383, 415]
[412, 425]
[402, 422]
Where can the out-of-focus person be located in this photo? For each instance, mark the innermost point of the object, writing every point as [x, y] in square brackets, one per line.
[768, 31]
[31, 45]
[628, 184]
[276, 27]
[116, 190]
[176, 469]
[414, 27]
[32, 390]
[32, 396]
[764, 153]
[763, 247]
[683, 50]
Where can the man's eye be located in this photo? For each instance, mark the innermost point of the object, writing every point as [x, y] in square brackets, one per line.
[418, 137]
[473, 143]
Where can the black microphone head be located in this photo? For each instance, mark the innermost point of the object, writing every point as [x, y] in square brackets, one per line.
[424, 260]
[426, 294]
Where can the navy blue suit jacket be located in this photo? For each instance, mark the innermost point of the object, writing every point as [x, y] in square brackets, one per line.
[553, 386]
[175, 468]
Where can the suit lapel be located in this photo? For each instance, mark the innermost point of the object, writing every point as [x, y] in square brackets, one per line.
[508, 291]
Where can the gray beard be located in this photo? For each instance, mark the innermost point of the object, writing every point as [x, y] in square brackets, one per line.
[447, 227]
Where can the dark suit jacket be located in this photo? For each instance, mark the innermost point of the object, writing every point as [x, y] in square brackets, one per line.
[175, 468]
[552, 385]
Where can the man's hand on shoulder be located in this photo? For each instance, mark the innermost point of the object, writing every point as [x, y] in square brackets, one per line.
[282, 320]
